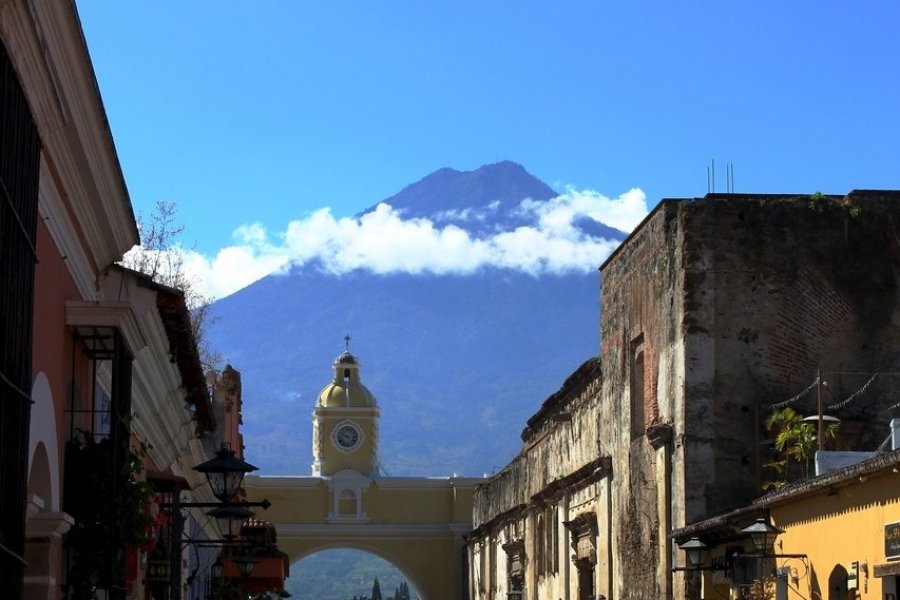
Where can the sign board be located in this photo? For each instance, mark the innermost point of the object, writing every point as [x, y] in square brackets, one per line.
[892, 541]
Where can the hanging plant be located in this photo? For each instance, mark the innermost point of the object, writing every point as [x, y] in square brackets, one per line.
[109, 504]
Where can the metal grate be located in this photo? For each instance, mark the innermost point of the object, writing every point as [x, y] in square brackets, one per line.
[19, 172]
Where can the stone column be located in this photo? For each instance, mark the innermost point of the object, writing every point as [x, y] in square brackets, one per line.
[43, 551]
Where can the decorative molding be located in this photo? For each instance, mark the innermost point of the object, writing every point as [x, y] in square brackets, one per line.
[361, 531]
[108, 315]
[659, 435]
[62, 231]
[584, 535]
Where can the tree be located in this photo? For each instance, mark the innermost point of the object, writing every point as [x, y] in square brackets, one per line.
[376, 590]
[794, 439]
[161, 256]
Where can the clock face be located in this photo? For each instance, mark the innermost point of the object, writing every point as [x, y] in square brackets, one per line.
[347, 436]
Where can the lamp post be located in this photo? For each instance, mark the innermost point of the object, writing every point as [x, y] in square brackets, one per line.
[229, 519]
[225, 474]
[762, 534]
[696, 551]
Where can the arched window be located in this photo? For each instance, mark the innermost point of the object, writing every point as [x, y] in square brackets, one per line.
[347, 504]
[638, 424]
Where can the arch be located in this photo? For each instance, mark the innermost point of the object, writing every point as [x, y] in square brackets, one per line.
[372, 549]
[43, 436]
[837, 584]
[414, 523]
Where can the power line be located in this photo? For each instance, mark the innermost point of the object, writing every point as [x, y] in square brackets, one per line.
[854, 395]
[797, 397]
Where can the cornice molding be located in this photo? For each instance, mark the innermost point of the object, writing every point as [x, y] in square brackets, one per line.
[62, 231]
[45, 42]
[117, 315]
[363, 531]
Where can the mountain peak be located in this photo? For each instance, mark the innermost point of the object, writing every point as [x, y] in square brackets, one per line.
[506, 183]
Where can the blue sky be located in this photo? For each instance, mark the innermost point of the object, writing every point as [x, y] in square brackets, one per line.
[252, 116]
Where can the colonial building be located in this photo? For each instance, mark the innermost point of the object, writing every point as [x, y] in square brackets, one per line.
[415, 523]
[100, 381]
[835, 535]
[713, 310]
[542, 523]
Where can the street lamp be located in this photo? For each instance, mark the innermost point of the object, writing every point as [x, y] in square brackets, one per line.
[696, 551]
[225, 472]
[763, 534]
[230, 519]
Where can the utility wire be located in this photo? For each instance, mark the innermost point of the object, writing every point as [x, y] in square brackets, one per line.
[853, 396]
[797, 397]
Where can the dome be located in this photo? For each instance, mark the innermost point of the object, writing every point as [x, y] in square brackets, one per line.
[346, 359]
[346, 389]
[354, 395]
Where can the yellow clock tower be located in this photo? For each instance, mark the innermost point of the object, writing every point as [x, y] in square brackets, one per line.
[345, 423]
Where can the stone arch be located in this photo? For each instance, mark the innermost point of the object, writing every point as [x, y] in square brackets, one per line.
[43, 435]
[44, 524]
[418, 581]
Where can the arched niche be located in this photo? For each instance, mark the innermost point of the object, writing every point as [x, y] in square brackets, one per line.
[43, 446]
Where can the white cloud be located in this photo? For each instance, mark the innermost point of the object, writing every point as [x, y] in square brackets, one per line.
[384, 242]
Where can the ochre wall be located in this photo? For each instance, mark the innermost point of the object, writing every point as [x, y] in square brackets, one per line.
[839, 528]
[410, 522]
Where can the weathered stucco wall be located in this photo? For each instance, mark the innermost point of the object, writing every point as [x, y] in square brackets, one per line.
[642, 388]
[554, 481]
[715, 309]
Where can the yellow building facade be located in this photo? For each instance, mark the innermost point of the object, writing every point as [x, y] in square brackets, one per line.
[415, 523]
[848, 524]
[837, 537]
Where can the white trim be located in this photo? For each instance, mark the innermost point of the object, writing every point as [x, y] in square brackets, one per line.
[57, 220]
[43, 430]
[118, 315]
[363, 531]
[282, 481]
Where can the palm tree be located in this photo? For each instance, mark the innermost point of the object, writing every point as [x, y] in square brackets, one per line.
[794, 439]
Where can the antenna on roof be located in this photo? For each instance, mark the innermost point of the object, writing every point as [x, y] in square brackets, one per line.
[711, 178]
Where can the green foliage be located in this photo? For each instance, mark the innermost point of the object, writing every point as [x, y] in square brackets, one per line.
[817, 202]
[109, 504]
[795, 440]
[376, 590]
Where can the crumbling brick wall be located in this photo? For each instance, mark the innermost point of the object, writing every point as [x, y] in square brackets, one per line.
[734, 302]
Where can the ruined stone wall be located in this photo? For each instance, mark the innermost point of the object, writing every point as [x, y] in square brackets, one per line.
[713, 310]
[640, 351]
[552, 481]
[777, 288]
[562, 442]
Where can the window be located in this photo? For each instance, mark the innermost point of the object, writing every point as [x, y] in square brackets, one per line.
[638, 424]
[515, 570]
[347, 504]
[19, 175]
